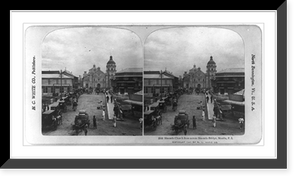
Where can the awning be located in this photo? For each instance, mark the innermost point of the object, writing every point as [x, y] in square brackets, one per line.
[155, 104]
[234, 102]
[134, 102]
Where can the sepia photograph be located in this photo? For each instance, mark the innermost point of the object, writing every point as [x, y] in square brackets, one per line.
[194, 82]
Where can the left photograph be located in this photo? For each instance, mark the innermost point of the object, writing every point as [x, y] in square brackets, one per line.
[92, 82]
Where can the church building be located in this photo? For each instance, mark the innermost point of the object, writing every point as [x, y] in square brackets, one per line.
[197, 79]
[96, 78]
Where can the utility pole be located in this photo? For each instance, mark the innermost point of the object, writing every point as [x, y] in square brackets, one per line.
[161, 90]
[61, 90]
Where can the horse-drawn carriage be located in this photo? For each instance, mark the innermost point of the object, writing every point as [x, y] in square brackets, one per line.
[50, 120]
[151, 119]
[162, 105]
[181, 119]
[81, 122]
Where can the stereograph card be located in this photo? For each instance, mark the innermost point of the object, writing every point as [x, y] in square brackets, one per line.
[143, 84]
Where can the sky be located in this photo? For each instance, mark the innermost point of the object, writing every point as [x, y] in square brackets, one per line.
[178, 49]
[78, 49]
[174, 49]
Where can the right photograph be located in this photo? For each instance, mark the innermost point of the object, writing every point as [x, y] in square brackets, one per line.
[194, 82]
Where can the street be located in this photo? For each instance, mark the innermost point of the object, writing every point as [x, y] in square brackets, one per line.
[189, 103]
[89, 103]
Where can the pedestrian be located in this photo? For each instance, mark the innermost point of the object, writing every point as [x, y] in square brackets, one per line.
[207, 98]
[103, 114]
[194, 122]
[241, 122]
[107, 98]
[216, 110]
[115, 121]
[160, 116]
[203, 115]
[85, 129]
[220, 113]
[94, 122]
[141, 122]
[214, 121]
[185, 129]
[121, 114]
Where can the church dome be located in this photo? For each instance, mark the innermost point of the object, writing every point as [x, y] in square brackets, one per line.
[111, 61]
[211, 61]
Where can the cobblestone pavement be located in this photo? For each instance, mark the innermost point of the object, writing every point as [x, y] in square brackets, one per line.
[189, 103]
[89, 102]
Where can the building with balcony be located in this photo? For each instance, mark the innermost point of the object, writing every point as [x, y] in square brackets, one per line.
[55, 82]
[128, 81]
[229, 81]
[157, 82]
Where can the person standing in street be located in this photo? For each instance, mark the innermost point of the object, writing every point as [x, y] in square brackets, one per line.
[103, 114]
[141, 122]
[214, 121]
[216, 110]
[115, 121]
[203, 115]
[107, 98]
[94, 122]
[241, 122]
[194, 122]
[85, 129]
[185, 129]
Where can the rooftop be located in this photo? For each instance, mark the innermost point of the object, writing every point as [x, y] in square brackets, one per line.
[111, 61]
[56, 76]
[157, 76]
[233, 70]
[211, 61]
[131, 70]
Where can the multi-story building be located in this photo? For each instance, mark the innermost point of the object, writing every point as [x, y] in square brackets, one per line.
[76, 83]
[129, 81]
[55, 82]
[229, 81]
[157, 82]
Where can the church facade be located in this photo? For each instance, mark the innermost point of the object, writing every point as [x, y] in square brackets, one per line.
[96, 78]
[195, 78]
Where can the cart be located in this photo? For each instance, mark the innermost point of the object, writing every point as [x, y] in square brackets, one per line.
[150, 119]
[81, 122]
[50, 120]
[180, 120]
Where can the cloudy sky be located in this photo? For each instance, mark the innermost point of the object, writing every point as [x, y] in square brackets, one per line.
[78, 49]
[178, 49]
